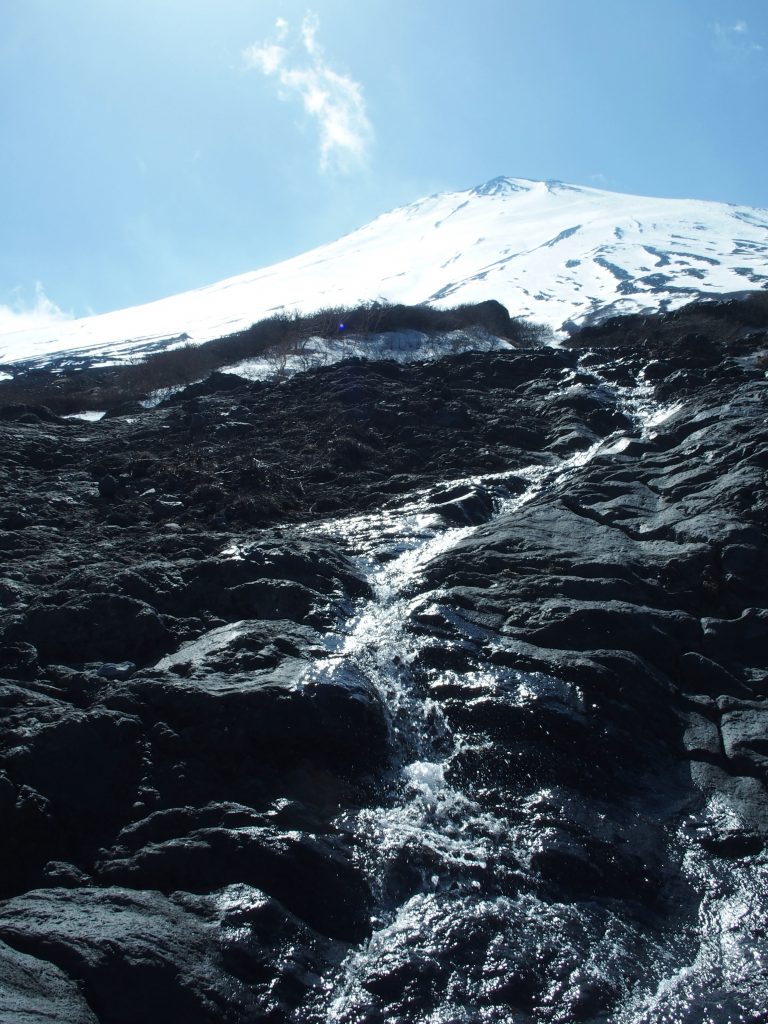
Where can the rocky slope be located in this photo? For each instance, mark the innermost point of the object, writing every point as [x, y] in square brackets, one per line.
[395, 693]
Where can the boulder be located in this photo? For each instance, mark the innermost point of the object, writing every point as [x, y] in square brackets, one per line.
[312, 876]
[35, 991]
[93, 627]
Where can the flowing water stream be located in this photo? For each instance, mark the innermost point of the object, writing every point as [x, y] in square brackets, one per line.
[456, 935]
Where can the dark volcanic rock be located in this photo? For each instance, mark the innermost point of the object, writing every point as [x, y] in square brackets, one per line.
[18, 661]
[72, 776]
[311, 876]
[255, 726]
[93, 627]
[394, 692]
[34, 991]
[140, 955]
[136, 953]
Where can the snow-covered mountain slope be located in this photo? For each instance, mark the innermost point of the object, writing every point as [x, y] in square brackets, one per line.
[549, 251]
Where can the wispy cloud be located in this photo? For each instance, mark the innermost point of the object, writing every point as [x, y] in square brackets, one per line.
[19, 315]
[332, 99]
[736, 39]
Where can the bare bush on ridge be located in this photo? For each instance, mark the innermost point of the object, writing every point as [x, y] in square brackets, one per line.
[278, 337]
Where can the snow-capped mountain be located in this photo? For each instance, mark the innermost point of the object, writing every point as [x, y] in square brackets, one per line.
[551, 252]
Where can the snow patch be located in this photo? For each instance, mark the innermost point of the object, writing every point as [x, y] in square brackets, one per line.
[537, 247]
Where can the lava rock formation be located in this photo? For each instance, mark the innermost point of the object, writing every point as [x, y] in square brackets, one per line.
[203, 795]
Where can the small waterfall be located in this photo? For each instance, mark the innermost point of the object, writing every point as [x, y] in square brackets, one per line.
[424, 825]
[444, 870]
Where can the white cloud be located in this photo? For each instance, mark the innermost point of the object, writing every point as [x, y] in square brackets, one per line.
[309, 30]
[266, 58]
[736, 39]
[22, 316]
[332, 99]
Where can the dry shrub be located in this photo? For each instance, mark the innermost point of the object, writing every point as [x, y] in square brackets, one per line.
[277, 337]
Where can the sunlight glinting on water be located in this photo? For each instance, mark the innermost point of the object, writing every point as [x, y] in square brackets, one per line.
[422, 808]
[436, 827]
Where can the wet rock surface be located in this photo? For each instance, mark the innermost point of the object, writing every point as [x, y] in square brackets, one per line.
[394, 693]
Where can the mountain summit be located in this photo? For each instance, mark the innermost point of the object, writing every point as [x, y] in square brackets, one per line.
[552, 252]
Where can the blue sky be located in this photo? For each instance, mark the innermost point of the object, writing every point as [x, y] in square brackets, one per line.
[151, 146]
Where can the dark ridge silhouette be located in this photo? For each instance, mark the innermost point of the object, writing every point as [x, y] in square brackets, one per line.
[65, 390]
